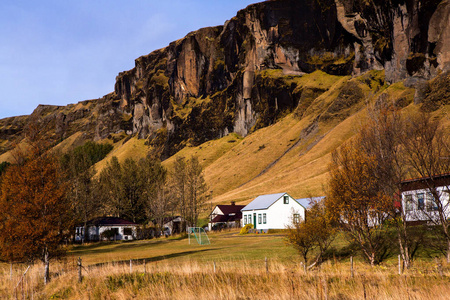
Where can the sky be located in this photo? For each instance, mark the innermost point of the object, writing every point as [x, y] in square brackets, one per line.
[65, 51]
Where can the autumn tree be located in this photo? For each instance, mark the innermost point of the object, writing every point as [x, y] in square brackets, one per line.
[356, 200]
[381, 138]
[316, 233]
[426, 148]
[34, 215]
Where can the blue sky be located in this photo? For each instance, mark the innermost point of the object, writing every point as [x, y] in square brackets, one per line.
[64, 51]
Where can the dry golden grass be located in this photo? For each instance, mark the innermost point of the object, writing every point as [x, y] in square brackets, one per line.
[230, 280]
[132, 148]
[207, 152]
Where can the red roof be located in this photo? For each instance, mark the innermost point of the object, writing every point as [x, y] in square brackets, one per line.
[229, 209]
[425, 182]
[108, 221]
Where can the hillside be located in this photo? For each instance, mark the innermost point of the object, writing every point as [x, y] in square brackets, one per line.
[264, 99]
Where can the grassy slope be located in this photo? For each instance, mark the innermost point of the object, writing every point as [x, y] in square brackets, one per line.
[291, 155]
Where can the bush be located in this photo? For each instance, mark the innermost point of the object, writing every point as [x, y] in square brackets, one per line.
[246, 228]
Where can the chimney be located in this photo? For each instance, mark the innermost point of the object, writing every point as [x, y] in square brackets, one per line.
[233, 203]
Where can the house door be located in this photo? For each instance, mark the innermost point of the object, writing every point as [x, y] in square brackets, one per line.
[254, 220]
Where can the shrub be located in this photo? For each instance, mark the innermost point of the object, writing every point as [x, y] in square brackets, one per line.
[246, 228]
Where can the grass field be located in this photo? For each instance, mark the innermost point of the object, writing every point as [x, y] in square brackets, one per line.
[231, 267]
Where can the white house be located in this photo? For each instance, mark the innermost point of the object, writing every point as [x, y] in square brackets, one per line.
[225, 216]
[274, 211]
[106, 228]
[418, 202]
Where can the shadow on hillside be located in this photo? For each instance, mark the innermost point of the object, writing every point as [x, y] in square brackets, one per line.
[140, 261]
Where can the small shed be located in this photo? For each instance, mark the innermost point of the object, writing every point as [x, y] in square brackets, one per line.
[172, 225]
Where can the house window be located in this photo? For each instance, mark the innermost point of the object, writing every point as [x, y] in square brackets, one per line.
[127, 231]
[259, 218]
[245, 220]
[431, 203]
[296, 218]
[264, 219]
[420, 201]
[286, 199]
[408, 203]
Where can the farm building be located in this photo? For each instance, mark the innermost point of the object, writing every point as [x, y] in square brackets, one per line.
[274, 211]
[423, 198]
[225, 216]
[173, 225]
[106, 228]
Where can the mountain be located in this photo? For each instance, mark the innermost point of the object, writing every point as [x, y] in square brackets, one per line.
[265, 98]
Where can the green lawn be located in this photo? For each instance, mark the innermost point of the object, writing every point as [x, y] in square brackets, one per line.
[225, 246]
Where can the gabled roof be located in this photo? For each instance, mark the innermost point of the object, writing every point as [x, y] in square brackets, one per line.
[425, 182]
[108, 221]
[263, 201]
[229, 209]
[305, 202]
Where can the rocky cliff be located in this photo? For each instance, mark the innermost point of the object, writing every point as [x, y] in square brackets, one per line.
[220, 79]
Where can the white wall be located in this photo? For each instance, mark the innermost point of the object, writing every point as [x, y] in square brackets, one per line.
[278, 215]
[121, 235]
[214, 213]
[424, 214]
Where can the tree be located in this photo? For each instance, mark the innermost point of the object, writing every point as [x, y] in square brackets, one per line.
[133, 188]
[178, 186]
[355, 199]
[156, 194]
[3, 166]
[111, 189]
[78, 164]
[197, 189]
[315, 233]
[426, 146]
[34, 219]
[381, 138]
[189, 187]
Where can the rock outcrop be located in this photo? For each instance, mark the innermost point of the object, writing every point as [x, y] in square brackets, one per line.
[217, 80]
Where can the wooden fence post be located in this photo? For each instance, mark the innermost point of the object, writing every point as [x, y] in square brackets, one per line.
[80, 278]
[267, 265]
[351, 266]
[131, 266]
[325, 289]
[439, 267]
[145, 267]
[214, 263]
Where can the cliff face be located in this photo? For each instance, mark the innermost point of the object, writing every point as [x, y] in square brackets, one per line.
[218, 80]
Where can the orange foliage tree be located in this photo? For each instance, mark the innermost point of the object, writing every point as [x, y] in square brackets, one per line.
[316, 233]
[356, 199]
[34, 212]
